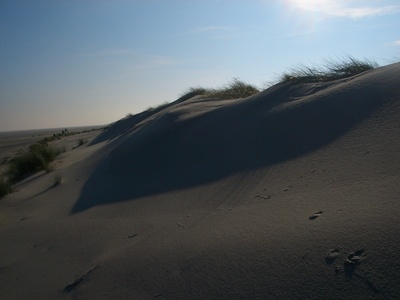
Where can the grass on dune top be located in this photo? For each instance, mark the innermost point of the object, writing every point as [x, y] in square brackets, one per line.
[329, 71]
[233, 90]
[41, 155]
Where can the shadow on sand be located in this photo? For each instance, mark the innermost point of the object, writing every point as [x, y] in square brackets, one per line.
[173, 152]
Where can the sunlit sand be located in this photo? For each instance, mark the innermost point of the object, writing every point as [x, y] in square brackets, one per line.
[292, 193]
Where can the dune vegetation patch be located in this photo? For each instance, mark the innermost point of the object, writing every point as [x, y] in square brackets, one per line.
[38, 158]
[331, 70]
[5, 187]
[156, 108]
[342, 67]
[233, 90]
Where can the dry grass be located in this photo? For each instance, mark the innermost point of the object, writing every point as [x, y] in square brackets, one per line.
[38, 158]
[331, 70]
[233, 90]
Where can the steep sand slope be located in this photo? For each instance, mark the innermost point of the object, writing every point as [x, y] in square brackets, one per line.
[291, 193]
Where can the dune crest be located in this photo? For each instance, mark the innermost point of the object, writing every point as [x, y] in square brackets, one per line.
[201, 141]
[292, 193]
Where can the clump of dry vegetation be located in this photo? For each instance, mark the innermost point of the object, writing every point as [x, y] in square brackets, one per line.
[233, 90]
[331, 70]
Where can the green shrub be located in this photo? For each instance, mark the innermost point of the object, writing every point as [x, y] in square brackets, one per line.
[5, 187]
[38, 158]
[331, 70]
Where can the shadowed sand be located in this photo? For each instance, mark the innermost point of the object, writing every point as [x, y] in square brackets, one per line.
[292, 193]
[178, 150]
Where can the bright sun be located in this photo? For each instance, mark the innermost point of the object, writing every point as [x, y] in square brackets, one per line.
[315, 5]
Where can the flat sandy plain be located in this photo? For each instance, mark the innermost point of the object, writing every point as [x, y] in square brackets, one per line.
[293, 193]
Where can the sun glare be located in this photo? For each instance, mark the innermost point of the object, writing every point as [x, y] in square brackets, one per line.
[314, 5]
[306, 13]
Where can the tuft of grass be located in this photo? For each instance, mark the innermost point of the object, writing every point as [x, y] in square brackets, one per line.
[4, 160]
[5, 187]
[233, 90]
[57, 178]
[82, 142]
[331, 70]
[158, 107]
[198, 90]
[38, 158]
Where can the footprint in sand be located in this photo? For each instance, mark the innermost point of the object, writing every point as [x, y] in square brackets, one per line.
[315, 215]
[331, 256]
[355, 258]
[352, 261]
[263, 197]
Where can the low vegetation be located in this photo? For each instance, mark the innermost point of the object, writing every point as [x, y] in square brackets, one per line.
[331, 70]
[38, 158]
[158, 107]
[40, 155]
[82, 142]
[5, 187]
[233, 90]
[57, 178]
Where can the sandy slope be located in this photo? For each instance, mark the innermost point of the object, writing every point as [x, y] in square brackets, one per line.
[291, 193]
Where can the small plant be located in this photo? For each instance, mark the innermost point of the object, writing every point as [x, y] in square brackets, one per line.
[4, 160]
[82, 142]
[331, 70]
[50, 168]
[158, 107]
[194, 91]
[57, 179]
[5, 187]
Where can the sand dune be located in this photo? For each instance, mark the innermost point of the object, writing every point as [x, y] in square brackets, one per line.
[292, 193]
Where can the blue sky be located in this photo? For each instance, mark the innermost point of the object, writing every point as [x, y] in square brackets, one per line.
[91, 62]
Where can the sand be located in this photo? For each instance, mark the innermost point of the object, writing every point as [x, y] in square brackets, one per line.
[292, 193]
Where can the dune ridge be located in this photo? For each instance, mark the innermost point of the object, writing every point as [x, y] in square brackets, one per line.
[292, 193]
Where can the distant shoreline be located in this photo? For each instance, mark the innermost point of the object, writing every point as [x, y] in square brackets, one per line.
[45, 131]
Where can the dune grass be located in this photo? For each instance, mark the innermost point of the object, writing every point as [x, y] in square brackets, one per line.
[5, 187]
[82, 142]
[38, 158]
[331, 70]
[57, 178]
[233, 90]
[157, 107]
